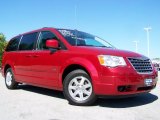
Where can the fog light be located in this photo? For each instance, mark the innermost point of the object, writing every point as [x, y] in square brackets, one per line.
[121, 88]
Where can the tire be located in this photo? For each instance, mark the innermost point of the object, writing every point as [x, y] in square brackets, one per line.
[10, 80]
[78, 88]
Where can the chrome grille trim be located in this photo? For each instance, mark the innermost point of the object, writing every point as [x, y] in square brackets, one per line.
[142, 65]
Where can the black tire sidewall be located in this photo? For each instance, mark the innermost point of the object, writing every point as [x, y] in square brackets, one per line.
[66, 82]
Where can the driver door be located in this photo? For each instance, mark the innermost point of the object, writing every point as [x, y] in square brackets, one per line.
[45, 64]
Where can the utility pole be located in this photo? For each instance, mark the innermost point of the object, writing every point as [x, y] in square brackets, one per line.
[147, 29]
[136, 43]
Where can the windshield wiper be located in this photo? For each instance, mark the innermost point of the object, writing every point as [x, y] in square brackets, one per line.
[105, 46]
[95, 46]
[86, 45]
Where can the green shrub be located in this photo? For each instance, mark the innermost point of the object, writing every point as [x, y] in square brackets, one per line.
[3, 44]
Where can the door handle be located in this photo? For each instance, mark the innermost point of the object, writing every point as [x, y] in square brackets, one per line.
[28, 55]
[35, 55]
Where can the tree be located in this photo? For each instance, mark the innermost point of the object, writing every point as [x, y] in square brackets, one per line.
[3, 44]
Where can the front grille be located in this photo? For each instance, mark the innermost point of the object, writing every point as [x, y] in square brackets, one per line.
[141, 65]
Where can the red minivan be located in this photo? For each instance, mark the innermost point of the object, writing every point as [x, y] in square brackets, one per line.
[81, 65]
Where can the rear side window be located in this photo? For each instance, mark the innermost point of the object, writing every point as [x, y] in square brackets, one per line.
[13, 44]
[28, 41]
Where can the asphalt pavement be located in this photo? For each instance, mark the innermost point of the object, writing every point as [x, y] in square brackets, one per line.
[33, 103]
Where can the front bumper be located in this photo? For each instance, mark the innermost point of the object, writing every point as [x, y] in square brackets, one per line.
[117, 82]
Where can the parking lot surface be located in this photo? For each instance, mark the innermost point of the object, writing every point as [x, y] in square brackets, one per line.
[32, 103]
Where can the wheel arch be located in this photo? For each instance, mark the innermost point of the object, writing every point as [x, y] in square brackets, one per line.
[73, 67]
[80, 63]
[6, 67]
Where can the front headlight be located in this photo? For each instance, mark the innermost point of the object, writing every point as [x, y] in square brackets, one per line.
[111, 61]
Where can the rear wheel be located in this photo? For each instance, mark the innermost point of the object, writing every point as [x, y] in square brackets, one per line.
[78, 88]
[9, 79]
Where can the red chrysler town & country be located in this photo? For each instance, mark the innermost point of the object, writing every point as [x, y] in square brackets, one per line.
[82, 65]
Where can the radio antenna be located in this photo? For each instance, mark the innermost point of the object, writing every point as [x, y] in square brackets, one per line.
[75, 19]
[75, 14]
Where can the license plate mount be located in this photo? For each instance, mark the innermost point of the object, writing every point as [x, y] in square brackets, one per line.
[148, 82]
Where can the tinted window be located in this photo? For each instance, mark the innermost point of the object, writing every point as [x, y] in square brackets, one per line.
[45, 35]
[28, 41]
[13, 44]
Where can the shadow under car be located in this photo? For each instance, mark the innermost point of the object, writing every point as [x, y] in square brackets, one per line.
[138, 100]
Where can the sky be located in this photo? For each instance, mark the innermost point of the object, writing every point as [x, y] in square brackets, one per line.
[119, 22]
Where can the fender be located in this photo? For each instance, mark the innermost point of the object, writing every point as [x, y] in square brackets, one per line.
[88, 65]
[10, 64]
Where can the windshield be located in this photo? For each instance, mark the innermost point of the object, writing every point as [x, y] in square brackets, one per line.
[78, 38]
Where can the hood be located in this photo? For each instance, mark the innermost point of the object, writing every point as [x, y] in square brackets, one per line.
[106, 51]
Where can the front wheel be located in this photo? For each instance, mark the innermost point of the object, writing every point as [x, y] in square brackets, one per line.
[9, 79]
[78, 88]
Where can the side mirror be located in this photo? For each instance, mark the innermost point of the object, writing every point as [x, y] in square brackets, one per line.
[52, 43]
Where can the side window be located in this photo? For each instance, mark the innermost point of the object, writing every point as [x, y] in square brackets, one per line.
[28, 41]
[45, 35]
[13, 44]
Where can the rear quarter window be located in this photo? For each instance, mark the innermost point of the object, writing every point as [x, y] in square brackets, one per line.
[13, 44]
